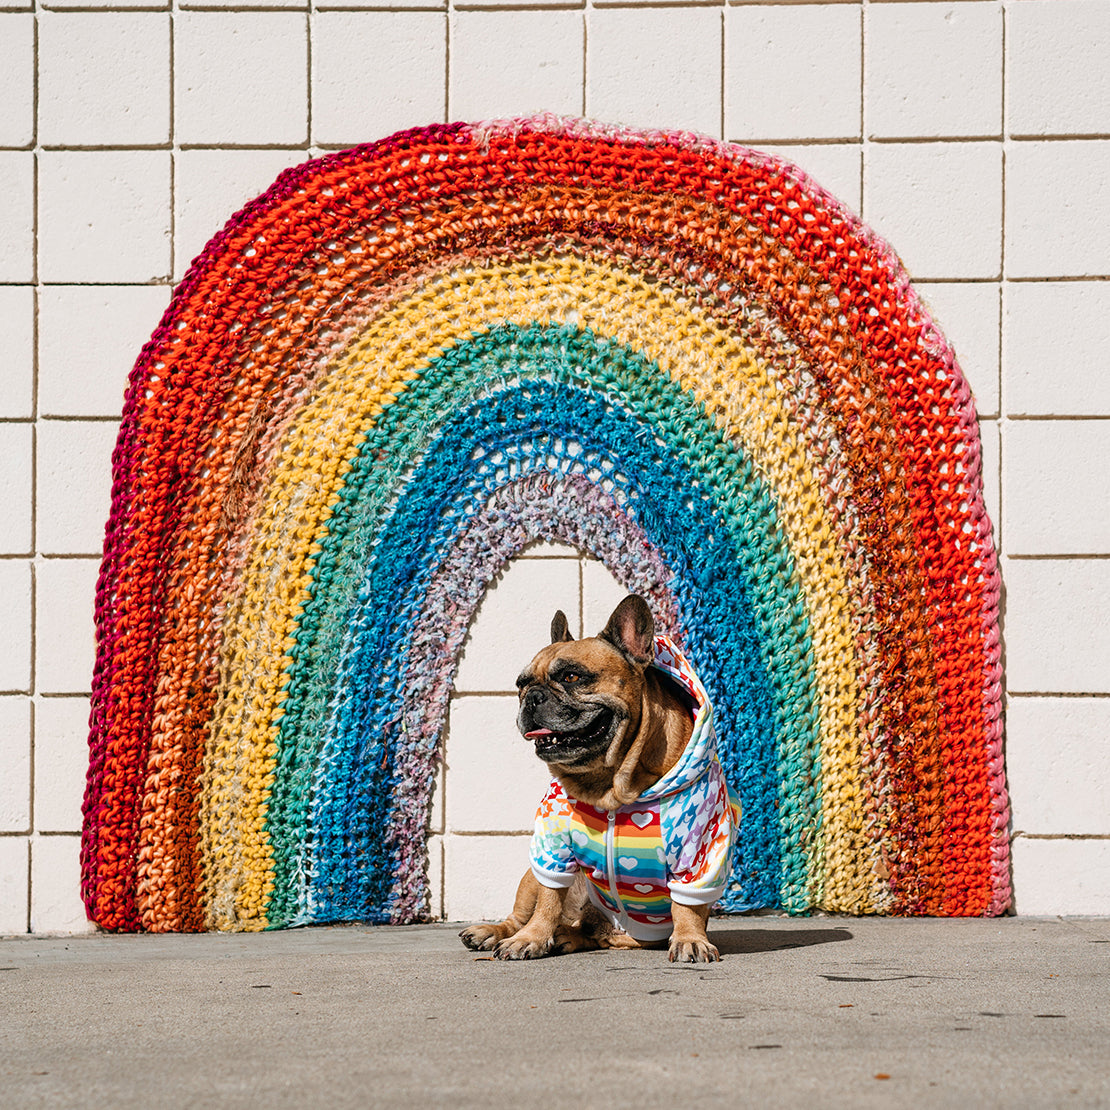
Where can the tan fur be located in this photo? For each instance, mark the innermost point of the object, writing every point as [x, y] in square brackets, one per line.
[654, 727]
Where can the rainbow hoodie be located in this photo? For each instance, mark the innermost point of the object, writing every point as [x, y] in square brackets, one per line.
[674, 843]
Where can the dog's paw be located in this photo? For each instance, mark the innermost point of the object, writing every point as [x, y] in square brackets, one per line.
[481, 938]
[521, 947]
[697, 951]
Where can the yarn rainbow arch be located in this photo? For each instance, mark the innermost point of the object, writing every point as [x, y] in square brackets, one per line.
[406, 361]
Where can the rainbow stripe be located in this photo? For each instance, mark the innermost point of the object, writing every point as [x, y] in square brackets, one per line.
[405, 362]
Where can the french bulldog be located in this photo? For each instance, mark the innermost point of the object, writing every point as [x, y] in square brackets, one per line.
[633, 840]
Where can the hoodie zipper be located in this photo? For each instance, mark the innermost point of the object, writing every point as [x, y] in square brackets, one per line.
[611, 866]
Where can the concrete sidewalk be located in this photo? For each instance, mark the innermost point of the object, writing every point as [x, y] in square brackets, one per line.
[840, 1012]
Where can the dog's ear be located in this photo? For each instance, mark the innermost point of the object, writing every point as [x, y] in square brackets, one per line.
[560, 633]
[631, 629]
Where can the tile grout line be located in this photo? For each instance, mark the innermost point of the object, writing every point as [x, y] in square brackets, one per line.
[34, 565]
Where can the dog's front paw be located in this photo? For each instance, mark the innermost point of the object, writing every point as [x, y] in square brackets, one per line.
[481, 938]
[524, 947]
[695, 951]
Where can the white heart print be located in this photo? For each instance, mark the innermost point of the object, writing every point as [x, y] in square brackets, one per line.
[641, 820]
[628, 861]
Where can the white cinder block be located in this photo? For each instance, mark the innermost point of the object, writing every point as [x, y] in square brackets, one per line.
[241, 77]
[74, 485]
[61, 763]
[104, 78]
[62, 5]
[15, 489]
[494, 779]
[56, 905]
[15, 765]
[1057, 637]
[89, 338]
[374, 73]
[17, 354]
[17, 79]
[793, 72]
[436, 820]
[934, 70]
[1057, 493]
[1058, 70]
[836, 167]
[435, 878]
[1057, 196]
[1058, 765]
[15, 620]
[104, 216]
[968, 314]
[601, 594]
[989, 443]
[17, 215]
[1056, 348]
[481, 874]
[655, 68]
[210, 186]
[64, 641]
[1061, 876]
[208, 4]
[14, 872]
[939, 205]
[516, 63]
[514, 621]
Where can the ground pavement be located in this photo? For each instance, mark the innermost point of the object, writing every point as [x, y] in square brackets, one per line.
[829, 1011]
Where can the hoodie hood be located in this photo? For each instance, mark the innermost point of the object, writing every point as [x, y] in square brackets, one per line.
[701, 751]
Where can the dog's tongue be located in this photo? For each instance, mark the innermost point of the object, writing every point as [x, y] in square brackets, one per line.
[537, 733]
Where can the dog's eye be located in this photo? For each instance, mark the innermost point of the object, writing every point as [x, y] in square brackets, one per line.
[570, 678]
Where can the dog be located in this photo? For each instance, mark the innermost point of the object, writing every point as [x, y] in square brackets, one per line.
[634, 838]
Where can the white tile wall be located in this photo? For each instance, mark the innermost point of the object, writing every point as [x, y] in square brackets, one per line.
[16, 616]
[104, 78]
[934, 70]
[656, 67]
[61, 727]
[1056, 348]
[1059, 752]
[241, 78]
[104, 216]
[17, 351]
[973, 134]
[812, 50]
[16, 487]
[74, 471]
[533, 58]
[15, 758]
[17, 216]
[88, 378]
[939, 205]
[17, 78]
[1058, 79]
[362, 74]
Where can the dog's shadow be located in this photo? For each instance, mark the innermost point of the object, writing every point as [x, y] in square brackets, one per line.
[736, 939]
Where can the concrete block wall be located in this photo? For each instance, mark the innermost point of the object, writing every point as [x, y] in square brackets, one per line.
[973, 134]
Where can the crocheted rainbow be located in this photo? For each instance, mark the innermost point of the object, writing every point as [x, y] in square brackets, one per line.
[405, 362]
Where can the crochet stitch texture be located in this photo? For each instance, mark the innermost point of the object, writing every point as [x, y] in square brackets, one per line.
[406, 361]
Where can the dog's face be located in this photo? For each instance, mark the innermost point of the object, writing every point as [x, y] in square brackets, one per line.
[581, 700]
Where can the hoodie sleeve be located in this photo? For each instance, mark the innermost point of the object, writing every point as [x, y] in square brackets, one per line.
[699, 829]
[553, 862]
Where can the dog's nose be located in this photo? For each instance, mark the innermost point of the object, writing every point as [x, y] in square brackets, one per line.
[536, 696]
